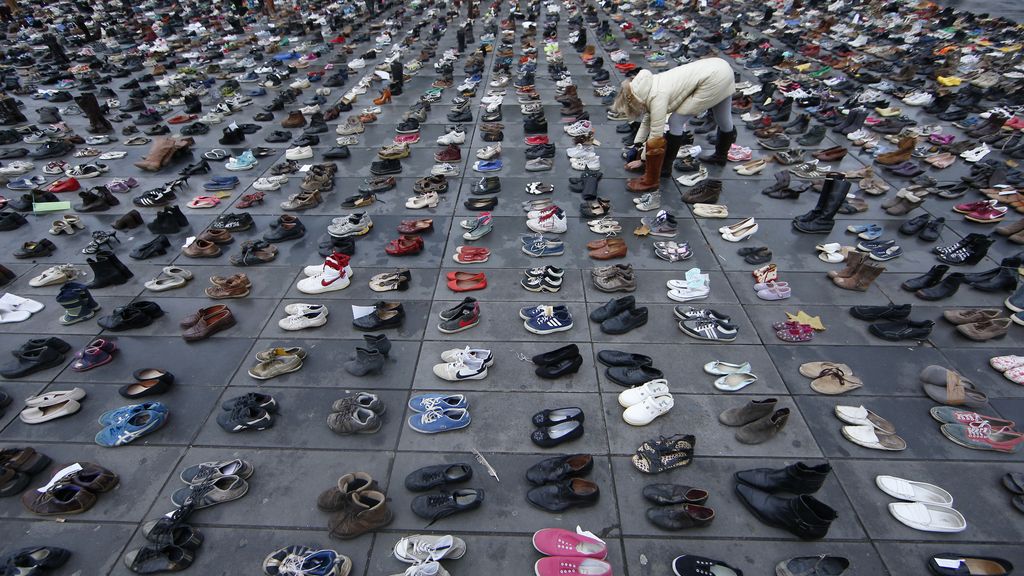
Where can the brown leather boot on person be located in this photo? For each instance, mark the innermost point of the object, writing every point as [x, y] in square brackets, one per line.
[294, 120]
[853, 262]
[901, 154]
[364, 512]
[651, 180]
[861, 280]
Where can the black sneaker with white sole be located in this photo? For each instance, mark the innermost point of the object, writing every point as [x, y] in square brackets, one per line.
[262, 401]
[456, 311]
[243, 418]
[709, 329]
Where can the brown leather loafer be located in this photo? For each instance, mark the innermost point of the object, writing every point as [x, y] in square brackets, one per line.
[193, 319]
[609, 251]
[233, 287]
[209, 325]
[831, 154]
[216, 235]
[200, 248]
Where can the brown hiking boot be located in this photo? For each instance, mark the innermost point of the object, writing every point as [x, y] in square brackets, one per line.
[294, 120]
[335, 498]
[364, 512]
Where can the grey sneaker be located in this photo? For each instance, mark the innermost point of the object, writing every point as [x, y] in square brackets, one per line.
[663, 224]
[649, 201]
[275, 366]
[358, 421]
[360, 400]
[482, 228]
[223, 489]
[208, 471]
[469, 317]
[420, 548]
[352, 225]
[539, 165]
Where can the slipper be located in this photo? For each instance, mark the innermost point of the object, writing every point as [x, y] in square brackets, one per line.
[958, 565]
[834, 381]
[17, 303]
[955, 390]
[912, 491]
[861, 416]
[928, 517]
[735, 382]
[203, 202]
[868, 437]
[1014, 482]
[169, 278]
[1004, 363]
[137, 141]
[216, 154]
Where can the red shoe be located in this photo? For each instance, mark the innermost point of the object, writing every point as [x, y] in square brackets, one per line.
[65, 185]
[625, 66]
[536, 140]
[970, 207]
[182, 118]
[466, 281]
[405, 246]
[407, 138]
[471, 255]
[987, 214]
[337, 40]
[452, 153]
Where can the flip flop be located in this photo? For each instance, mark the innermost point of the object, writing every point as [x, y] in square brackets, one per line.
[861, 416]
[204, 202]
[834, 381]
[814, 369]
[216, 154]
[913, 491]
[868, 437]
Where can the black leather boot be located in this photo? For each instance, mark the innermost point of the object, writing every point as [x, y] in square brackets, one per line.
[672, 145]
[1003, 278]
[832, 198]
[164, 223]
[796, 478]
[721, 154]
[943, 289]
[970, 253]
[927, 280]
[107, 270]
[803, 516]
[178, 215]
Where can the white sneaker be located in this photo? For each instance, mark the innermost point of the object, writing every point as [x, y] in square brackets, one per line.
[645, 412]
[330, 279]
[489, 152]
[557, 223]
[592, 162]
[453, 137]
[270, 183]
[579, 128]
[444, 169]
[306, 319]
[299, 153]
[976, 154]
[464, 368]
[580, 150]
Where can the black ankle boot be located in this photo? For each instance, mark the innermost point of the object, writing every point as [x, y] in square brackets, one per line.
[804, 516]
[1003, 278]
[943, 289]
[107, 270]
[972, 252]
[927, 280]
[721, 154]
[796, 478]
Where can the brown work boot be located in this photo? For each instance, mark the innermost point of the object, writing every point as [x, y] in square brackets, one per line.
[335, 498]
[294, 120]
[364, 512]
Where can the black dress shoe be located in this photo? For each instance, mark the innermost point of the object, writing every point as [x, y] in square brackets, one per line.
[902, 330]
[668, 494]
[796, 478]
[562, 367]
[560, 468]
[890, 312]
[565, 494]
[38, 249]
[927, 280]
[625, 321]
[618, 358]
[1003, 278]
[337, 152]
[613, 308]
[480, 204]
[434, 507]
[553, 435]
[803, 516]
[558, 416]
[431, 477]
[630, 376]
[680, 516]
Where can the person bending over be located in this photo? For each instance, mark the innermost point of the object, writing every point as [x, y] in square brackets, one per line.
[672, 97]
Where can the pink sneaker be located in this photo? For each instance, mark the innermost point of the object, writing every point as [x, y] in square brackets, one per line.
[559, 542]
[566, 566]
[407, 138]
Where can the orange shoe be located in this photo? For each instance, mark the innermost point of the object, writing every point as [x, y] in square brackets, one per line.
[385, 97]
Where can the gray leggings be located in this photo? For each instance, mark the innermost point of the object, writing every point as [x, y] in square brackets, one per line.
[722, 112]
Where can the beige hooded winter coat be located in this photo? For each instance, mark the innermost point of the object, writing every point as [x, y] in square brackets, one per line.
[688, 89]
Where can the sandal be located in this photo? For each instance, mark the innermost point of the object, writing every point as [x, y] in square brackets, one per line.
[833, 381]
[100, 239]
[203, 202]
[216, 154]
[66, 224]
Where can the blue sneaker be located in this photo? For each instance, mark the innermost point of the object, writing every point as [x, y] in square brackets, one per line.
[121, 414]
[133, 427]
[256, 92]
[553, 320]
[26, 183]
[487, 165]
[428, 402]
[438, 420]
[544, 247]
[540, 310]
[321, 563]
[223, 185]
[1016, 300]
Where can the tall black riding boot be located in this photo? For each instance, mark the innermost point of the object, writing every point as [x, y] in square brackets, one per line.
[824, 221]
[672, 145]
[721, 154]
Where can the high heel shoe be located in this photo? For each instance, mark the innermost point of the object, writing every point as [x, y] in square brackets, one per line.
[384, 98]
[100, 239]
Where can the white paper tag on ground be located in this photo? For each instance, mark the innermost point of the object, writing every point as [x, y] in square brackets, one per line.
[946, 563]
[305, 167]
[60, 474]
[588, 533]
[360, 311]
[188, 241]
[233, 126]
